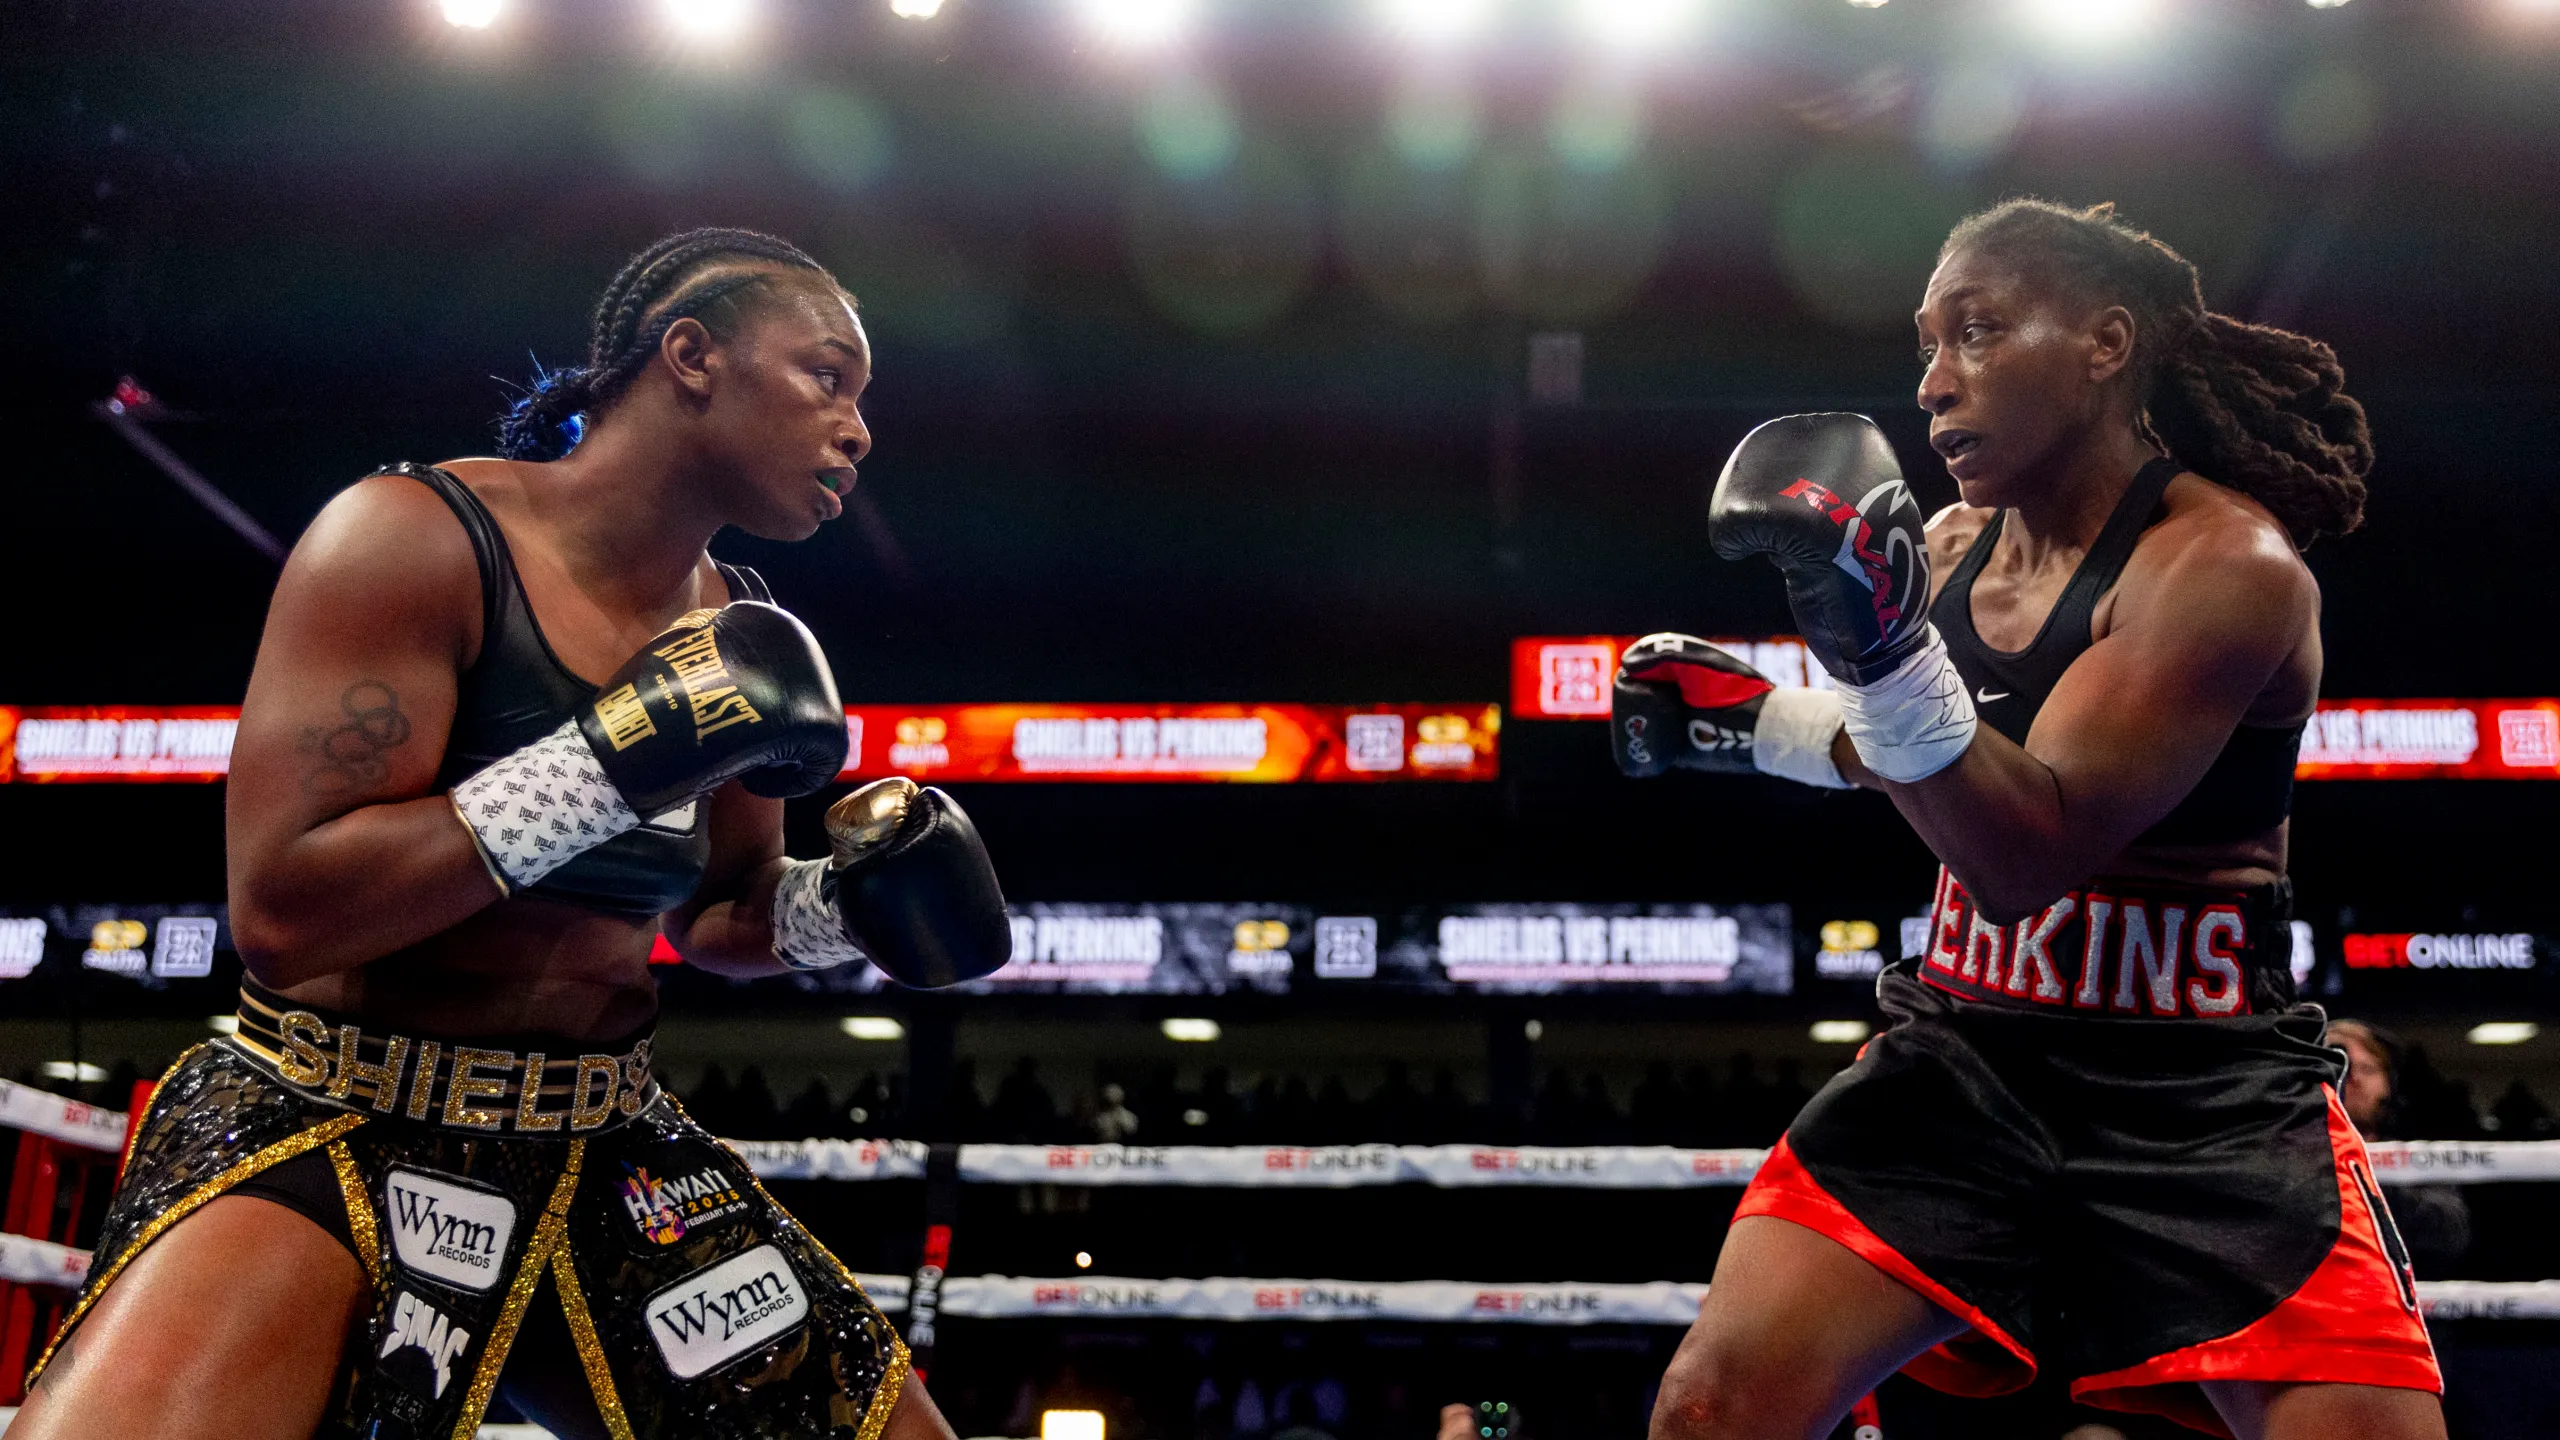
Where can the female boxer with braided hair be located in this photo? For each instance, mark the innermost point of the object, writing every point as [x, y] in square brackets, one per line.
[432, 1165]
[2099, 1138]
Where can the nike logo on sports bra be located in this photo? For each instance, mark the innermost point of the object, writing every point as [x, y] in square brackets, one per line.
[1986, 696]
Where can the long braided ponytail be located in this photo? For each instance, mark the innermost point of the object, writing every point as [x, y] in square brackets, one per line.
[656, 288]
[2259, 409]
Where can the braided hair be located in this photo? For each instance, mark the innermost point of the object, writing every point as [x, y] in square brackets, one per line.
[2259, 409]
[659, 286]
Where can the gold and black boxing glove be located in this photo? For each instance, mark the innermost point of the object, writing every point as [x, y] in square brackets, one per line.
[909, 888]
[740, 692]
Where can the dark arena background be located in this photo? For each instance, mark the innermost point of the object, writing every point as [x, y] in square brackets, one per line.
[1283, 409]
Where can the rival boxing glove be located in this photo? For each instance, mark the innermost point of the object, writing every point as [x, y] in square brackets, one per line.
[1681, 703]
[740, 691]
[909, 888]
[1824, 499]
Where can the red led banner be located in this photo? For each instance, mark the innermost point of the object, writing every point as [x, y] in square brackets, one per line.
[1566, 677]
[2432, 740]
[116, 742]
[1264, 743]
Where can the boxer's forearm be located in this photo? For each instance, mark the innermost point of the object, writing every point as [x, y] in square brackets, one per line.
[354, 889]
[733, 937]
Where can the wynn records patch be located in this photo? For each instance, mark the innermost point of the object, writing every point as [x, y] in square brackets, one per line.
[715, 1315]
[447, 1231]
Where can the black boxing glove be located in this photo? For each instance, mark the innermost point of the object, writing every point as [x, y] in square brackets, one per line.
[1681, 703]
[909, 887]
[1824, 499]
[741, 691]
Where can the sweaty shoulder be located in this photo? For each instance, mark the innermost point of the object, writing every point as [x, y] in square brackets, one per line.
[2218, 543]
[388, 551]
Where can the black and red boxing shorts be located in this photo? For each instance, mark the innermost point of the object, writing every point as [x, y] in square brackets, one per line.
[2106, 1139]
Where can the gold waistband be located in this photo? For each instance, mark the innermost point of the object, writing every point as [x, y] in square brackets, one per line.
[468, 1087]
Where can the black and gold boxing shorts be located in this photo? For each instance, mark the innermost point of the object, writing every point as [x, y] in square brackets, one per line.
[468, 1176]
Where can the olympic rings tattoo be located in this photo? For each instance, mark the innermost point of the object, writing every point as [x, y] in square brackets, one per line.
[351, 756]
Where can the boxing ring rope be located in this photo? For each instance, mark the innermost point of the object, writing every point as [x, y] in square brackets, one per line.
[1597, 1167]
[1335, 1167]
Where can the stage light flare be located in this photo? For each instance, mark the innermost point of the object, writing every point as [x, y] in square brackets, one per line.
[1084, 1259]
[873, 1027]
[81, 1071]
[1636, 24]
[915, 9]
[1436, 22]
[1070, 1425]
[708, 20]
[2090, 22]
[2503, 1032]
[1191, 1030]
[471, 14]
[1840, 1032]
[1138, 24]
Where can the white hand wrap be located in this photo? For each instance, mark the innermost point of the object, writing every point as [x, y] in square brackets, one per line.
[808, 934]
[1793, 739]
[1914, 722]
[541, 807]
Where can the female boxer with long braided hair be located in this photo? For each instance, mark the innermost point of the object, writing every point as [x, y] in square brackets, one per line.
[432, 1165]
[2099, 1137]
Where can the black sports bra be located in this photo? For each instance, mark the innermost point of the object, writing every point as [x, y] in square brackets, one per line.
[517, 691]
[2250, 786]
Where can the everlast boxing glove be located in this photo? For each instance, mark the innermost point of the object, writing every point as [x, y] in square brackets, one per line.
[909, 888]
[1823, 498]
[741, 691]
[1681, 703]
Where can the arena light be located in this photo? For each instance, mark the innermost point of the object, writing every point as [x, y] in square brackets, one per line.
[2503, 1032]
[1138, 24]
[1084, 1259]
[1841, 1032]
[471, 14]
[1635, 25]
[79, 1070]
[915, 9]
[1070, 1425]
[222, 1024]
[1436, 22]
[872, 1027]
[708, 21]
[2089, 22]
[1191, 1030]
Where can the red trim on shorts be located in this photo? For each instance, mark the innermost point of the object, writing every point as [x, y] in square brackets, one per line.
[1987, 1362]
[2354, 1322]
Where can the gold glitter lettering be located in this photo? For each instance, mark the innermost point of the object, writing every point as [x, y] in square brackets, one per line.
[303, 1062]
[587, 1107]
[464, 1084]
[529, 1112]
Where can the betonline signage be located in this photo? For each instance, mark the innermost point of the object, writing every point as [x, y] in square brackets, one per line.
[2416, 951]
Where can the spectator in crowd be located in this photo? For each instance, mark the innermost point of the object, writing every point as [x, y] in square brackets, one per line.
[2435, 1220]
[1114, 1123]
